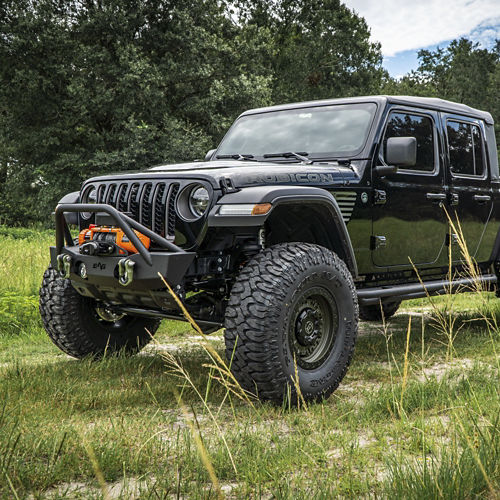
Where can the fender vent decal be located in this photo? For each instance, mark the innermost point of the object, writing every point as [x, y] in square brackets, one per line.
[346, 201]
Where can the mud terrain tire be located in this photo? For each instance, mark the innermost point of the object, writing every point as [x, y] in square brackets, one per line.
[74, 325]
[293, 307]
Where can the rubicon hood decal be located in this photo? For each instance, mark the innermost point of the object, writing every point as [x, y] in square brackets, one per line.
[291, 178]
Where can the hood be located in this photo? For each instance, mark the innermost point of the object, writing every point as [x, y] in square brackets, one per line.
[247, 173]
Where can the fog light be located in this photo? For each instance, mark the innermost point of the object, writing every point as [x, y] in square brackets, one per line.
[83, 271]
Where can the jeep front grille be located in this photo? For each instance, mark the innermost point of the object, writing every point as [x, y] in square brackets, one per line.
[346, 201]
[151, 203]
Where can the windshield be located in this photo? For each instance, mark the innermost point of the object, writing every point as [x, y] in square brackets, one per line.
[320, 131]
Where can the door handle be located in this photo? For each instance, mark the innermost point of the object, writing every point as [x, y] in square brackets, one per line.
[436, 196]
[482, 198]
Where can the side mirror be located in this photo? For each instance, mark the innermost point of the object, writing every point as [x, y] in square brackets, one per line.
[401, 151]
[208, 156]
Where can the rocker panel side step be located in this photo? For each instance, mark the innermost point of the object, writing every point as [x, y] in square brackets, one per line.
[369, 296]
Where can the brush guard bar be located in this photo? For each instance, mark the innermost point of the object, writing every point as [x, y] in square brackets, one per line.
[114, 278]
[124, 222]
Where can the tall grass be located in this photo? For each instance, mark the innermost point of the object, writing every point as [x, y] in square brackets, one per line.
[469, 465]
[23, 261]
[460, 469]
[24, 257]
[174, 422]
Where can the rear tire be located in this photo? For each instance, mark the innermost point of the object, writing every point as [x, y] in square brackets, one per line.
[80, 328]
[374, 312]
[293, 307]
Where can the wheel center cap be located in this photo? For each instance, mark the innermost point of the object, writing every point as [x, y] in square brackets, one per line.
[307, 328]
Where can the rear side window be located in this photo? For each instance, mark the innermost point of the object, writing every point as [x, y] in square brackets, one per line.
[411, 125]
[465, 148]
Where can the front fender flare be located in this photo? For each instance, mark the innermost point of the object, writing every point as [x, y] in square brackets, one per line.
[280, 195]
[74, 197]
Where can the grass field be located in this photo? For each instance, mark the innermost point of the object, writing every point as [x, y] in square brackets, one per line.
[417, 415]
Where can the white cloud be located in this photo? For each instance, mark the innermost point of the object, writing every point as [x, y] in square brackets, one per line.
[409, 25]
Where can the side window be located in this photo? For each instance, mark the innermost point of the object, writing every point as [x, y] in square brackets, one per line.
[411, 125]
[465, 148]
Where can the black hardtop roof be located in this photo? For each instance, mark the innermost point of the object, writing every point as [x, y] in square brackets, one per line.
[421, 102]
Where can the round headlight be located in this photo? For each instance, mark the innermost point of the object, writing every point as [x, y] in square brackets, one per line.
[90, 196]
[198, 201]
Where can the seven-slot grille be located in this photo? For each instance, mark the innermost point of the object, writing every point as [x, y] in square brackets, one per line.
[346, 201]
[152, 204]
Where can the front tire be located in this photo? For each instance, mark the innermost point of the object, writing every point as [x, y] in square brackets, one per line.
[293, 307]
[80, 327]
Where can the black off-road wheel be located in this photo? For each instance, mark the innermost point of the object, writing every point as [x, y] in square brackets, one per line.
[375, 312]
[80, 326]
[292, 314]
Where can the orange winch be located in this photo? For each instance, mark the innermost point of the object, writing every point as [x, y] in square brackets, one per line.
[111, 236]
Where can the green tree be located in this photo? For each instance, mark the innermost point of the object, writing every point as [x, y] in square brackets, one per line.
[462, 72]
[321, 49]
[92, 86]
[492, 101]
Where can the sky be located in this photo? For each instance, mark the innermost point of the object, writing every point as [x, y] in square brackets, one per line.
[404, 27]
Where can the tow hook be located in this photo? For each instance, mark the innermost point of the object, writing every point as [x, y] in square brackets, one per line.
[126, 271]
[64, 265]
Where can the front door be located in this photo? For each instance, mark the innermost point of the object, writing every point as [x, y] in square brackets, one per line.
[471, 196]
[409, 223]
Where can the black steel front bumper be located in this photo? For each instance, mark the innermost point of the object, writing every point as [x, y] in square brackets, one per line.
[117, 276]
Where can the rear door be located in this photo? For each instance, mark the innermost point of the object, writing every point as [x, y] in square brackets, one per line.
[409, 223]
[471, 196]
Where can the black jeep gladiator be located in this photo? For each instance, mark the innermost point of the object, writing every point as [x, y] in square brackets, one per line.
[303, 212]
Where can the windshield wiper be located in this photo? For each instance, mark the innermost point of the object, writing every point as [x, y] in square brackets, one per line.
[236, 157]
[302, 156]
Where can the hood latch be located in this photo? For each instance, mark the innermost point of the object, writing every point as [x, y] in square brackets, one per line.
[227, 185]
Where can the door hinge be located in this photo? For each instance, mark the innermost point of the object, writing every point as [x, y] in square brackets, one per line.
[378, 242]
[379, 197]
[453, 199]
[451, 239]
